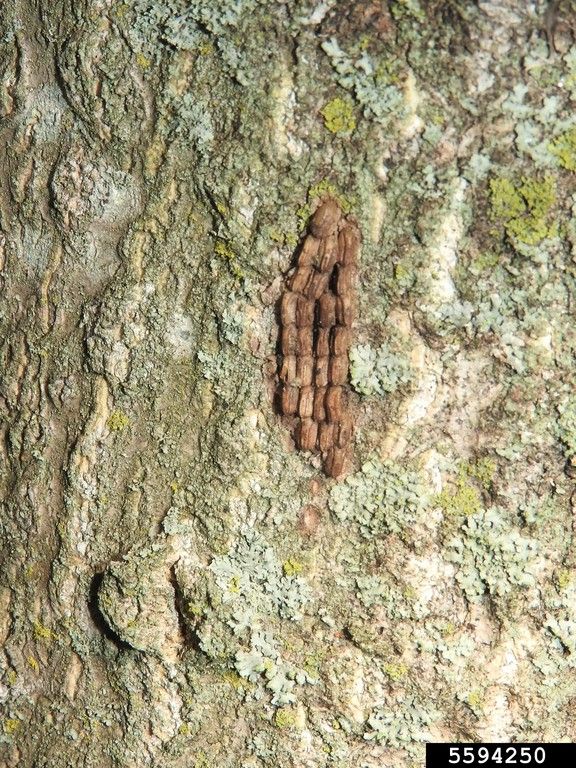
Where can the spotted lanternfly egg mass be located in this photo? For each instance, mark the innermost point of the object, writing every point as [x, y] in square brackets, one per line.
[316, 315]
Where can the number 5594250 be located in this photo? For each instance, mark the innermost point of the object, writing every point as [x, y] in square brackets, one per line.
[506, 755]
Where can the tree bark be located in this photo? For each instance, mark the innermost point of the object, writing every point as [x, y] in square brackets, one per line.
[179, 585]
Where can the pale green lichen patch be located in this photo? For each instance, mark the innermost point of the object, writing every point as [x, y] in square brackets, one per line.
[494, 558]
[372, 82]
[383, 497]
[378, 371]
[255, 592]
[406, 726]
[252, 578]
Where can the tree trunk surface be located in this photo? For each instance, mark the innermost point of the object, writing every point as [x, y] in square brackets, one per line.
[180, 586]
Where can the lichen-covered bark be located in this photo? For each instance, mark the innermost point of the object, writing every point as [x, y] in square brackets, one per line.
[179, 586]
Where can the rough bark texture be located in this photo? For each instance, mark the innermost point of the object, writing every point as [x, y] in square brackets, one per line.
[179, 586]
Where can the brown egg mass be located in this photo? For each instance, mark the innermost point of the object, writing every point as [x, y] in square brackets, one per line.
[317, 310]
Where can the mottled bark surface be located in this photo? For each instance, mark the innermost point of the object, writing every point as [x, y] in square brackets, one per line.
[181, 587]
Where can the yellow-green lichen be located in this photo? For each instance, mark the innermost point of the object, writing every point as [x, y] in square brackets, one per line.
[117, 421]
[475, 700]
[195, 609]
[482, 470]
[563, 579]
[42, 632]
[292, 567]
[404, 273]
[284, 718]
[143, 61]
[395, 671]
[234, 585]
[283, 238]
[564, 148]
[10, 725]
[447, 629]
[463, 501]
[338, 116]
[524, 208]
[202, 760]
[485, 261]
[322, 189]
[407, 8]
[311, 664]
[325, 188]
[233, 679]
[226, 253]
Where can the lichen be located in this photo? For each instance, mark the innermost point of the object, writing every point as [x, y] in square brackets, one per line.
[493, 557]
[284, 718]
[377, 371]
[42, 632]
[524, 208]
[383, 497]
[10, 725]
[407, 8]
[395, 670]
[372, 82]
[475, 700]
[564, 148]
[252, 580]
[482, 470]
[563, 579]
[229, 255]
[117, 421]
[263, 661]
[465, 498]
[338, 116]
[256, 592]
[400, 726]
[292, 567]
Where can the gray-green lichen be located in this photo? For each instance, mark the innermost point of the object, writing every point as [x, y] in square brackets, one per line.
[492, 557]
[372, 82]
[252, 579]
[255, 596]
[405, 727]
[377, 371]
[383, 497]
